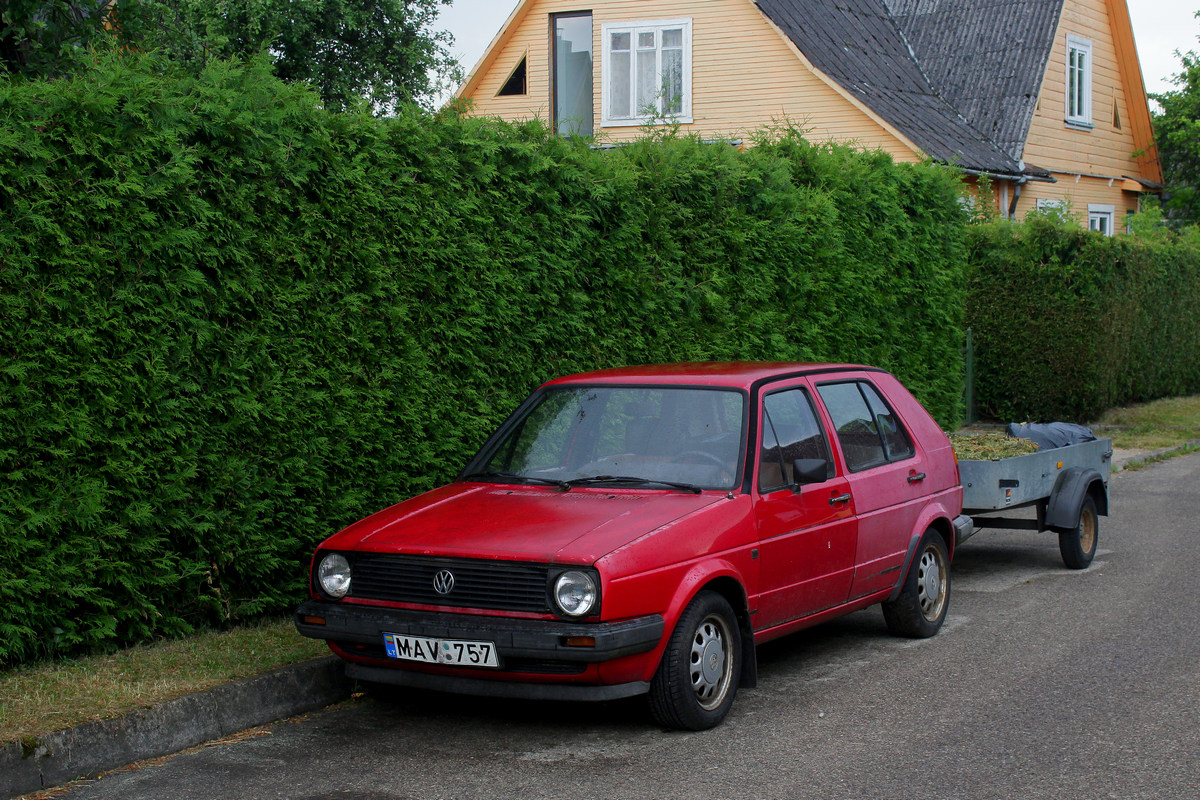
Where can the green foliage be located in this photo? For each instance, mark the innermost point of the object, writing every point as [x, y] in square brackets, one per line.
[46, 38]
[383, 52]
[232, 322]
[1068, 323]
[1177, 134]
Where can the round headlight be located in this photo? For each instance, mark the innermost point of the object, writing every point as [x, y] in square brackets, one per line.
[334, 575]
[575, 593]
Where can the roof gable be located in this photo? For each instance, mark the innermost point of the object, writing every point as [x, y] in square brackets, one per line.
[860, 44]
[985, 57]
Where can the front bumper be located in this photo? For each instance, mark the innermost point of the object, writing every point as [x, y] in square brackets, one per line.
[544, 640]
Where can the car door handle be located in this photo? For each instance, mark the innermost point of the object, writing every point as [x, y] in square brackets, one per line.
[843, 498]
[920, 476]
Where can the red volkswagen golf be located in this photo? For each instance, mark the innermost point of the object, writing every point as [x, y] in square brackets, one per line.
[640, 530]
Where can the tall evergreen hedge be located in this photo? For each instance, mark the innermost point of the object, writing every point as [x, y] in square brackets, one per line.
[1068, 323]
[231, 322]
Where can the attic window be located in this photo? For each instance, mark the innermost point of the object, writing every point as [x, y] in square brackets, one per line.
[647, 72]
[1116, 112]
[1079, 82]
[516, 84]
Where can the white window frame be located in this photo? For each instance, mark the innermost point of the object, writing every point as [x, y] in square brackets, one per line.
[607, 120]
[1099, 213]
[1082, 116]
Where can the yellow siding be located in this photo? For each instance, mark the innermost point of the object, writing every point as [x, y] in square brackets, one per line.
[1078, 191]
[745, 75]
[1084, 162]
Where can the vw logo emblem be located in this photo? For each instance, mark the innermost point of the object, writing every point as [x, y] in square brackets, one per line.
[443, 582]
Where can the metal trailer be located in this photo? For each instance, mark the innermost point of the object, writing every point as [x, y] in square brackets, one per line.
[1068, 487]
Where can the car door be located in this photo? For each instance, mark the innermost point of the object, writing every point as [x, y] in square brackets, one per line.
[806, 532]
[884, 471]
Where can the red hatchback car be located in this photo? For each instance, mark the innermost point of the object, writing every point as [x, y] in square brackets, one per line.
[640, 530]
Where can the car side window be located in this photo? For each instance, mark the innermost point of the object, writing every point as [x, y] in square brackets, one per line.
[790, 431]
[895, 439]
[855, 425]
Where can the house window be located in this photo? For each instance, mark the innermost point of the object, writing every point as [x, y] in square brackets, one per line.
[1079, 82]
[517, 83]
[1054, 208]
[647, 72]
[1100, 218]
[572, 79]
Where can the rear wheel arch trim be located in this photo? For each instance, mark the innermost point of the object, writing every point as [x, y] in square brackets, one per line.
[933, 519]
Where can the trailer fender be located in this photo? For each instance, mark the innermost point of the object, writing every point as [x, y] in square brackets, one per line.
[1066, 501]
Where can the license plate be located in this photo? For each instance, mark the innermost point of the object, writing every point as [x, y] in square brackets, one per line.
[452, 652]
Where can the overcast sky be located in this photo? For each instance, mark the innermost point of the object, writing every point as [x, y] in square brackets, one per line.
[1160, 26]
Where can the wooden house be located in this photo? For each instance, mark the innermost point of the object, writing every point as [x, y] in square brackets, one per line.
[1044, 96]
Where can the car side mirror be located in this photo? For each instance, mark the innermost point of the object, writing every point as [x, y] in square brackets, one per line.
[811, 470]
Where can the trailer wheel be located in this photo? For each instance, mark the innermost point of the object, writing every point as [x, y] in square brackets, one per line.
[1078, 546]
[920, 609]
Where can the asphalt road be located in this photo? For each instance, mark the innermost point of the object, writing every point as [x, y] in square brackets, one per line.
[1044, 683]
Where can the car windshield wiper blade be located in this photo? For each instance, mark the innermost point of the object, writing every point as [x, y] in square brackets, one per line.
[687, 487]
[515, 478]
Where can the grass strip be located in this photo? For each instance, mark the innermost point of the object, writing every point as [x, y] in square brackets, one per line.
[43, 698]
[1152, 426]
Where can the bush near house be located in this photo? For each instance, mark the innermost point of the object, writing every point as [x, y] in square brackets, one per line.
[232, 322]
[1068, 323]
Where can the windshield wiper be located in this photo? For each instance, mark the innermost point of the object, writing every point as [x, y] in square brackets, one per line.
[687, 487]
[515, 478]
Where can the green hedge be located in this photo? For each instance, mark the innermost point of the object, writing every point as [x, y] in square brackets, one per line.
[1069, 323]
[231, 322]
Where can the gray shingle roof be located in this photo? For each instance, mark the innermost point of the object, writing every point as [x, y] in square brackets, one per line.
[959, 78]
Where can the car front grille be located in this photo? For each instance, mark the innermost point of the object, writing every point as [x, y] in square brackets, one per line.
[500, 585]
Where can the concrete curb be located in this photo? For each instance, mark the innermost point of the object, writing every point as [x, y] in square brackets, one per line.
[89, 749]
[1124, 459]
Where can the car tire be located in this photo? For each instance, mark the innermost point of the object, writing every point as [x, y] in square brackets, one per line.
[1078, 545]
[697, 679]
[920, 609]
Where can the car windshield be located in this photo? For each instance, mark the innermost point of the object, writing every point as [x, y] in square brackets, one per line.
[623, 436]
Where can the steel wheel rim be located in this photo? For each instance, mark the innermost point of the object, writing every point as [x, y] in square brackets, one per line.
[931, 583]
[710, 662]
[1087, 531]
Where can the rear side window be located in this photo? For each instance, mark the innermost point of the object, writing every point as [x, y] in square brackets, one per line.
[869, 432]
[895, 438]
[790, 432]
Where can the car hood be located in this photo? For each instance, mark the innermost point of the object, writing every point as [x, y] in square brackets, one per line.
[526, 523]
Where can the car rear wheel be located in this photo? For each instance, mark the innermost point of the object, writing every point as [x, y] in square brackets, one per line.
[920, 609]
[697, 679]
[1078, 546]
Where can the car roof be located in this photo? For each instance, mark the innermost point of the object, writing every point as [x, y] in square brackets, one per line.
[739, 374]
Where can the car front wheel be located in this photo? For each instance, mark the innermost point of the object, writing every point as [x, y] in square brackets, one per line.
[697, 679]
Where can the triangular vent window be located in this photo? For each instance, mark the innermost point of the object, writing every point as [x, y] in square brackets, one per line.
[516, 84]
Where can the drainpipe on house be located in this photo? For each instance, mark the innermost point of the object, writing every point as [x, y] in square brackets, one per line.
[1012, 207]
